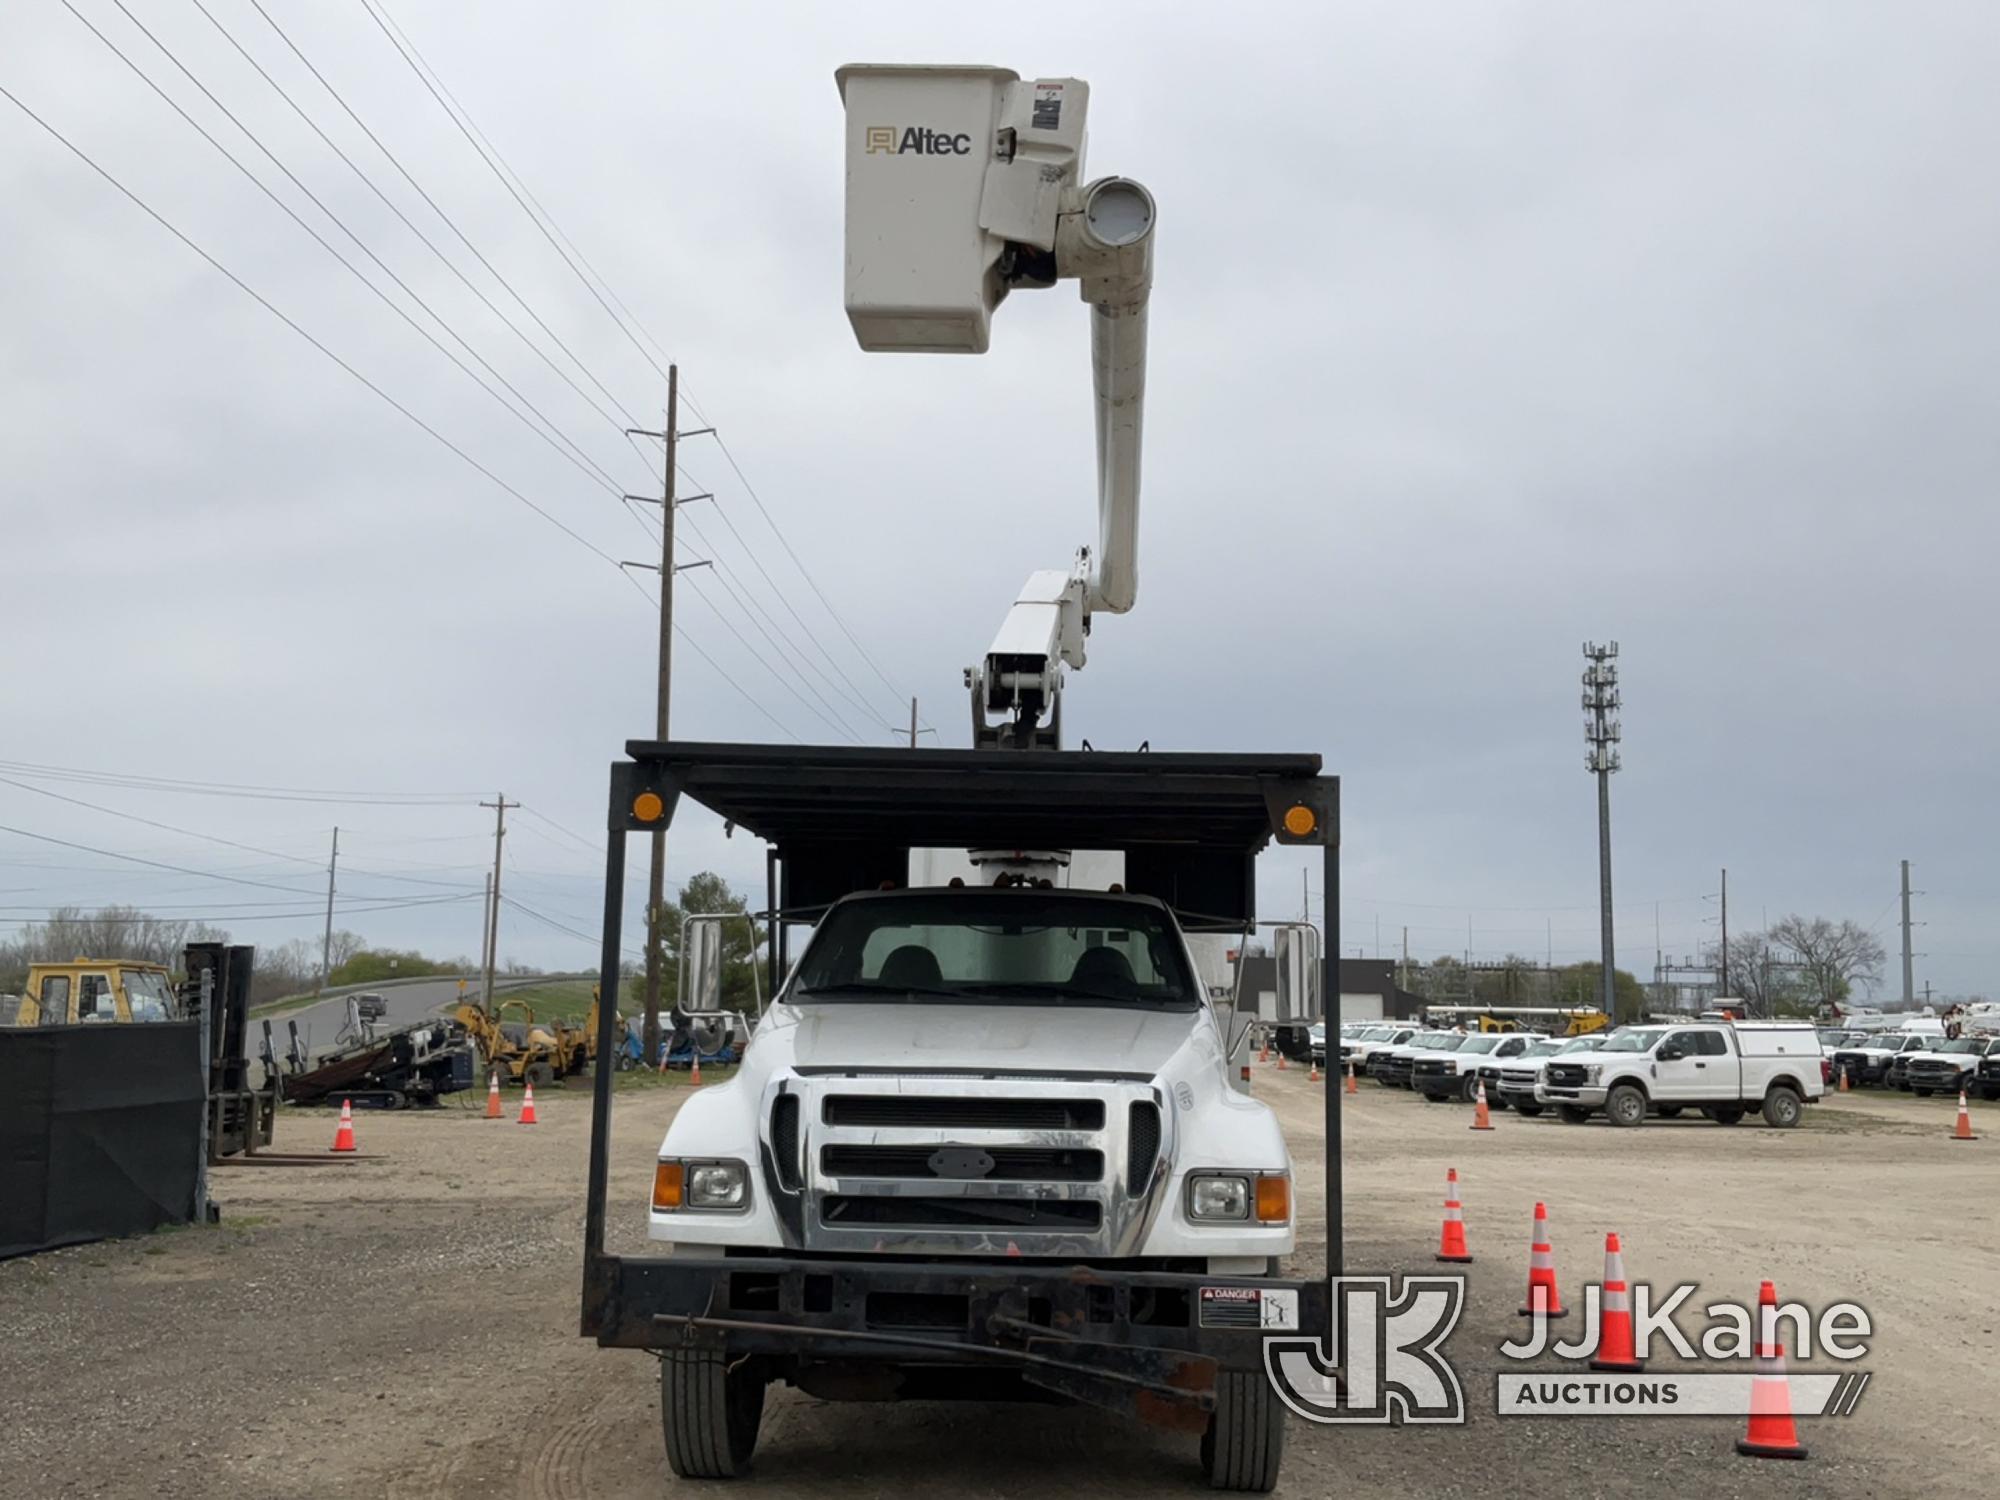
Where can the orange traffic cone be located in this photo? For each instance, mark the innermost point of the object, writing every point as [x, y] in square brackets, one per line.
[1845, 1086]
[1481, 1120]
[343, 1138]
[1614, 1342]
[1772, 1433]
[1281, 1062]
[1265, 1055]
[493, 1095]
[1350, 1079]
[1313, 1076]
[694, 1071]
[1451, 1244]
[527, 1115]
[1544, 1301]
[1962, 1131]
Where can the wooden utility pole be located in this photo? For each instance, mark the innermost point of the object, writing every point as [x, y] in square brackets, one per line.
[326, 942]
[656, 879]
[499, 804]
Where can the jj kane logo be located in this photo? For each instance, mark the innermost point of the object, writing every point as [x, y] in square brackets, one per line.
[1383, 1359]
[917, 140]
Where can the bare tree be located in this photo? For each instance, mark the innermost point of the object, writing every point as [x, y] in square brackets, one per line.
[1764, 973]
[1832, 956]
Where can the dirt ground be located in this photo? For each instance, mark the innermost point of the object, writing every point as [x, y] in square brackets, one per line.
[405, 1325]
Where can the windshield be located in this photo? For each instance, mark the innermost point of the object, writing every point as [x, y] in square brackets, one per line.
[1633, 1041]
[1449, 1043]
[1543, 1049]
[1480, 1044]
[148, 995]
[1030, 947]
[1427, 1039]
[1375, 1034]
[1962, 1044]
[1583, 1043]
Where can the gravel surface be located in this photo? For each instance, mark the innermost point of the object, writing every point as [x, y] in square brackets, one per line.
[406, 1324]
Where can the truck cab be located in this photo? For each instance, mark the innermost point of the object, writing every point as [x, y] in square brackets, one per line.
[1362, 1050]
[1724, 1069]
[937, 1077]
[1945, 1067]
[1873, 1059]
[96, 991]
[1455, 1074]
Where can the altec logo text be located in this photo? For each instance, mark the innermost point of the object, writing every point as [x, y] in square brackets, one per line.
[916, 140]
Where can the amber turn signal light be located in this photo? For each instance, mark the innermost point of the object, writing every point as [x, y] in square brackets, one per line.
[1274, 1200]
[669, 1179]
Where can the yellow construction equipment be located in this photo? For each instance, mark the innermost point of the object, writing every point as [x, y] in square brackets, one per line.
[524, 1050]
[96, 990]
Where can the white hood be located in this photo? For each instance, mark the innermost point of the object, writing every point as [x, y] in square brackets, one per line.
[978, 1038]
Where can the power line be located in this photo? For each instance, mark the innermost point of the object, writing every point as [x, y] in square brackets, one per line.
[469, 128]
[271, 308]
[157, 864]
[221, 919]
[449, 222]
[521, 183]
[833, 614]
[39, 771]
[758, 617]
[211, 838]
[556, 441]
[393, 208]
[365, 5]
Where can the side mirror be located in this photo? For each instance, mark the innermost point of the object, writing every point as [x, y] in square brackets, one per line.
[1670, 1054]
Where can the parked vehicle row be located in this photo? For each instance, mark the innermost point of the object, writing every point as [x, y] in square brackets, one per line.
[1722, 1069]
[1919, 1062]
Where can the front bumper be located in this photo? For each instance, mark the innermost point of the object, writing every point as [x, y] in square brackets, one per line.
[1584, 1097]
[1135, 1340]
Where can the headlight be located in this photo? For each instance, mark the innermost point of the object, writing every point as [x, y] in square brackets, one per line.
[1592, 1072]
[1219, 1198]
[712, 1185]
[1240, 1197]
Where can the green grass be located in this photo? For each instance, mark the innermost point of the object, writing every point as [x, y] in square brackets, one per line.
[568, 999]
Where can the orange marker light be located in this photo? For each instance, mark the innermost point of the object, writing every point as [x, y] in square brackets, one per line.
[1299, 821]
[1274, 1200]
[668, 1180]
[648, 808]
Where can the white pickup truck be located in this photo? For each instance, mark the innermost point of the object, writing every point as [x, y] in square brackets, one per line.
[1723, 1069]
[1871, 1060]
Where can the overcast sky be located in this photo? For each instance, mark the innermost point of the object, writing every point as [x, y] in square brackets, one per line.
[1478, 330]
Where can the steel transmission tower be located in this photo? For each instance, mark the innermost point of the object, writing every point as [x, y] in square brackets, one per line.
[1601, 730]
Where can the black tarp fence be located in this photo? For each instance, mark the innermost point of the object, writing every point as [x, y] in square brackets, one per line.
[100, 1131]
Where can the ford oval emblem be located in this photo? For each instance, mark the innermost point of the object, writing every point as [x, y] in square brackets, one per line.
[960, 1161]
[1184, 1095]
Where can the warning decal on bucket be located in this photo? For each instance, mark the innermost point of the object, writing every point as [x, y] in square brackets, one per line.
[1249, 1307]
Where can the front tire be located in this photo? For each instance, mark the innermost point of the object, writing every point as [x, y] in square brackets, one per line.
[1626, 1107]
[709, 1412]
[1782, 1108]
[1245, 1442]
